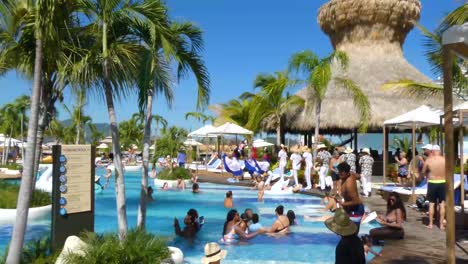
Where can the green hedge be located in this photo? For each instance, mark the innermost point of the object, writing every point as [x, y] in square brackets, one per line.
[175, 174]
[12, 166]
[9, 196]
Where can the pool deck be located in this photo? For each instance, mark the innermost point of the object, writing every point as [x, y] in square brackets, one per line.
[420, 246]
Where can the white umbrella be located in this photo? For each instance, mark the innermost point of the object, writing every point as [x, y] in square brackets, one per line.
[107, 140]
[102, 146]
[191, 142]
[260, 143]
[206, 131]
[231, 129]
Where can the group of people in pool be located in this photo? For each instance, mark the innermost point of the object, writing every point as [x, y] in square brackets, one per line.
[246, 226]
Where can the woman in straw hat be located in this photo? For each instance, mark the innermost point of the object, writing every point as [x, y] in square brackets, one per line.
[350, 249]
[213, 254]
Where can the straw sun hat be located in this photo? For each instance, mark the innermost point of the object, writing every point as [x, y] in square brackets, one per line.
[321, 146]
[213, 253]
[341, 224]
[348, 150]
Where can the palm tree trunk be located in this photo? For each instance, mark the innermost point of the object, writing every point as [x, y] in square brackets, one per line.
[318, 109]
[119, 176]
[9, 145]
[25, 194]
[141, 221]
[77, 139]
[278, 134]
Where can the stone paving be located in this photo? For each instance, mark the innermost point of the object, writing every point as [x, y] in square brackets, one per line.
[420, 246]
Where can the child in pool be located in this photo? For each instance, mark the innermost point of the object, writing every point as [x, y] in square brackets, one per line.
[367, 242]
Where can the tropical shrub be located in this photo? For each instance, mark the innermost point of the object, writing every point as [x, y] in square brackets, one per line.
[12, 166]
[175, 174]
[9, 193]
[36, 251]
[137, 247]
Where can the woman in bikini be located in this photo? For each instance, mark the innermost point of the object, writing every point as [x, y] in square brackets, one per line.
[281, 225]
[232, 232]
[392, 221]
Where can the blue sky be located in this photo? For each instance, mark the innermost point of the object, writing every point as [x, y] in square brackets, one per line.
[242, 39]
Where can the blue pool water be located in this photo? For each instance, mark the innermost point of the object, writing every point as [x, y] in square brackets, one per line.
[309, 242]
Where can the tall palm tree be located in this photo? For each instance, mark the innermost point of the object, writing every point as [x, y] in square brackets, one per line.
[200, 117]
[272, 102]
[131, 131]
[78, 119]
[168, 43]
[110, 61]
[31, 22]
[317, 76]
[433, 45]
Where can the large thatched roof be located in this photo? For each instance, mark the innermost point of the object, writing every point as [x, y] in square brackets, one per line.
[371, 32]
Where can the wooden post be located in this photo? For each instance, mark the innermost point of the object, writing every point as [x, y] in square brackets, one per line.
[462, 163]
[449, 155]
[413, 159]
[356, 141]
[385, 153]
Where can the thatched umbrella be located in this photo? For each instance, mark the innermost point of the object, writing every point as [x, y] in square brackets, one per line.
[371, 32]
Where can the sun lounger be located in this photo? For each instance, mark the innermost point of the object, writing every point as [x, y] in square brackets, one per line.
[407, 192]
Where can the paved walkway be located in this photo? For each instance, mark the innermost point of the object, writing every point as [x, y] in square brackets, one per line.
[420, 246]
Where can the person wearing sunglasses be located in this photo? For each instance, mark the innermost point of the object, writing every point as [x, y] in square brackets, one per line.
[392, 221]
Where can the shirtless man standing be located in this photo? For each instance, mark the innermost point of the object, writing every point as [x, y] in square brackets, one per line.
[351, 201]
[434, 168]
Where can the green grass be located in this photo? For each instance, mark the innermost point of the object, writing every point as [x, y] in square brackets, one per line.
[37, 252]
[12, 166]
[176, 174]
[9, 196]
[138, 247]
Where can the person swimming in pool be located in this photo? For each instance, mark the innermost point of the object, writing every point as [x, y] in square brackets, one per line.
[281, 225]
[232, 232]
[228, 203]
[191, 226]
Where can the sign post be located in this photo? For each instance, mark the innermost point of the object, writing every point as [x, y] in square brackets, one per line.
[72, 192]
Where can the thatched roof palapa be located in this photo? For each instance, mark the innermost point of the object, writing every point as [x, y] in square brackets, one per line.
[371, 32]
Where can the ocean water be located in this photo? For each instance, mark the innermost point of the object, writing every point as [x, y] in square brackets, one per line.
[309, 242]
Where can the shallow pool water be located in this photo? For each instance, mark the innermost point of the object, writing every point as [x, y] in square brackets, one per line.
[309, 242]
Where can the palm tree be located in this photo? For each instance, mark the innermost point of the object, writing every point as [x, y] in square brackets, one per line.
[78, 118]
[200, 117]
[237, 111]
[41, 27]
[110, 61]
[317, 76]
[168, 43]
[433, 45]
[131, 131]
[271, 104]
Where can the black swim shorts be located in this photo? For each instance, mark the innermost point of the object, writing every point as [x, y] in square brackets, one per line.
[436, 192]
[335, 176]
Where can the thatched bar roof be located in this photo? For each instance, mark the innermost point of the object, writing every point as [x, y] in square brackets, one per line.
[372, 33]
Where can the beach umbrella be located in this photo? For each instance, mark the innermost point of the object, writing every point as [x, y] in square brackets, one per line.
[102, 146]
[231, 129]
[205, 131]
[191, 142]
[107, 140]
[260, 143]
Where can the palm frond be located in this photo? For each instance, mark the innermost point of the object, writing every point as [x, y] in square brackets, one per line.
[415, 89]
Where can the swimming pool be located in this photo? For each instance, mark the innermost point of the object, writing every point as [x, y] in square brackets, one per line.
[309, 242]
